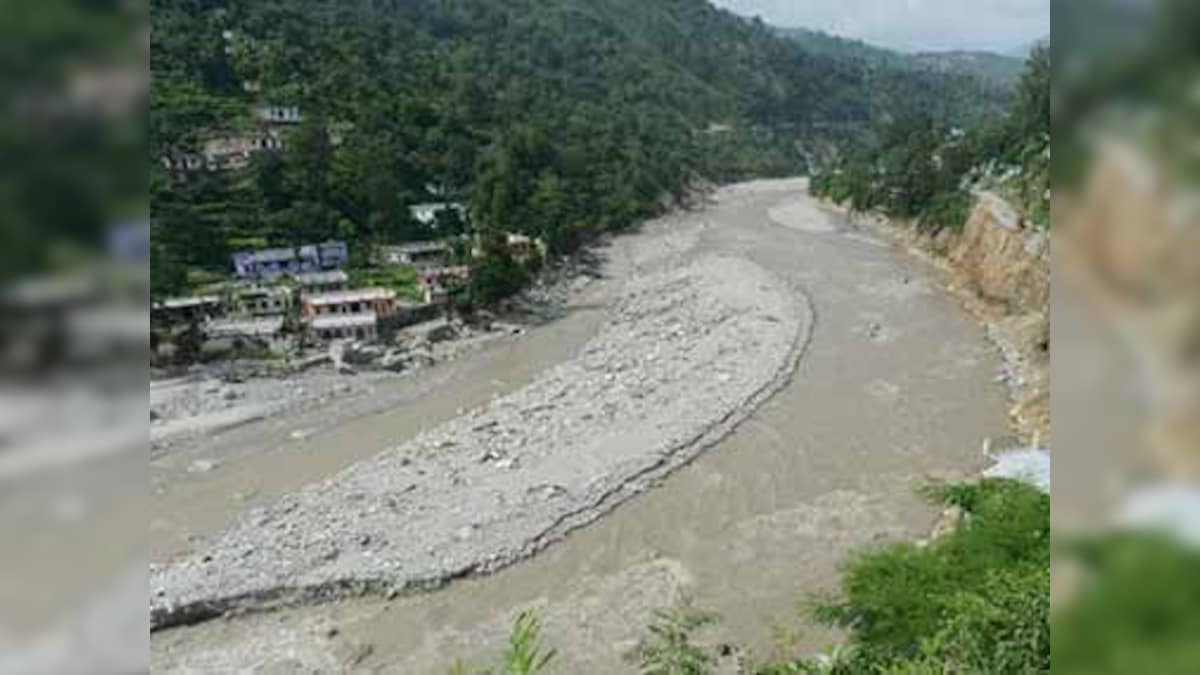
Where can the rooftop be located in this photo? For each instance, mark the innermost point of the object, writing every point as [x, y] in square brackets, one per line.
[330, 277]
[358, 295]
[272, 254]
[264, 326]
[262, 291]
[417, 247]
[329, 321]
[183, 303]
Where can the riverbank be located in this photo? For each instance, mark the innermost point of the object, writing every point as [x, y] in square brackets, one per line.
[896, 387]
[686, 355]
[1000, 272]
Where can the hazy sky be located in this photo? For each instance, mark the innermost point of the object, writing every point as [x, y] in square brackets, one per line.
[912, 25]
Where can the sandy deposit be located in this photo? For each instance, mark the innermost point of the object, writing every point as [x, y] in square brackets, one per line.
[687, 353]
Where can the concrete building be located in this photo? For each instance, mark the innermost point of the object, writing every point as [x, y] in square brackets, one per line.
[362, 327]
[226, 153]
[522, 248]
[322, 282]
[427, 213]
[270, 264]
[419, 254]
[262, 328]
[436, 283]
[199, 309]
[183, 162]
[278, 114]
[261, 301]
[379, 301]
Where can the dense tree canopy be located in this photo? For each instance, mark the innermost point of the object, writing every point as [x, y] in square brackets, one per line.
[917, 166]
[557, 118]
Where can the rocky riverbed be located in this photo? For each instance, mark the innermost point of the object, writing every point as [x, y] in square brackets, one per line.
[896, 387]
[220, 396]
[687, 352]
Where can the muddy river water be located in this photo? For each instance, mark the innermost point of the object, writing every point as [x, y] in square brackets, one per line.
[896, 388]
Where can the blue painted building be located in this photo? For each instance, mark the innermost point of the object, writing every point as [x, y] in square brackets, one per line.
[272, 263]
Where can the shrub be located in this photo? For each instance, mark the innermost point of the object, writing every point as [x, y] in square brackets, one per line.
[976, 600]
[523, 655]
[669, 649]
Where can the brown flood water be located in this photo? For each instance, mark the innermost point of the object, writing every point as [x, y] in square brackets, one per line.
[897, 388]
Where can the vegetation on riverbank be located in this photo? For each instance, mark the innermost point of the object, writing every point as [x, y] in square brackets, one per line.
[974, 600]
[919, 167]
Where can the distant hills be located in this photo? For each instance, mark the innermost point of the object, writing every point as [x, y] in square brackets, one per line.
[1022, 51]
[996, 69]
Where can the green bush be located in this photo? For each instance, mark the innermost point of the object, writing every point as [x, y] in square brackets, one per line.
[669, 649]
[493, 278]
[1135, 612]
[976, 600]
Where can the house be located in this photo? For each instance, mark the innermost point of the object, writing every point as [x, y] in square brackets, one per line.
[259, 301]
[380, 301]
[427, 214]
[322, 282]
[353, 314]
[521, 247]
[261, 328]
[436, 283]
[233, 152]
[270, 264]
[196, 309]
[278, 114]
[183, 161]
[363, 327]
[419, 254]
[333, 255]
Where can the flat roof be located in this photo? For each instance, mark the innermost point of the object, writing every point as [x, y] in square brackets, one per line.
[273, 254]
[357, 295]
[416, 247]
[329, 321]
[264, 326]
[262, 291]
[329, 277]
[181, 303]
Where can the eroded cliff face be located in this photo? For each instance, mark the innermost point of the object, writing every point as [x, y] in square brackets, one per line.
[1000, 269]
[1004, 262]
[1128, 247]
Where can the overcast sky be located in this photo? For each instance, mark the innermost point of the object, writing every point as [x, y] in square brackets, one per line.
[912, 25]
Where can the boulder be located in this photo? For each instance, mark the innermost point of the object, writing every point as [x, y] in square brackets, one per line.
[394, 360]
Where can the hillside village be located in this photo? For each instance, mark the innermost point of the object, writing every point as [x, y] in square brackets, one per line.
[284, 301]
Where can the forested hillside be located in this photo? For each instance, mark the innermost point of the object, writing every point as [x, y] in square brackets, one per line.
[917, 166]
[558, 118]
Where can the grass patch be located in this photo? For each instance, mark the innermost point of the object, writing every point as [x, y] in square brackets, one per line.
[401, 279]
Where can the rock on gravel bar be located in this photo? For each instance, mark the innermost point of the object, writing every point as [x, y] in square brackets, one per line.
[685, 355]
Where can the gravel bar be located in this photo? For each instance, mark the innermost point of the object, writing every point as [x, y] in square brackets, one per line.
[688, 351]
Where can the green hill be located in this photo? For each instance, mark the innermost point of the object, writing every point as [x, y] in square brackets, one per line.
[559, 118]
[995, 69]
